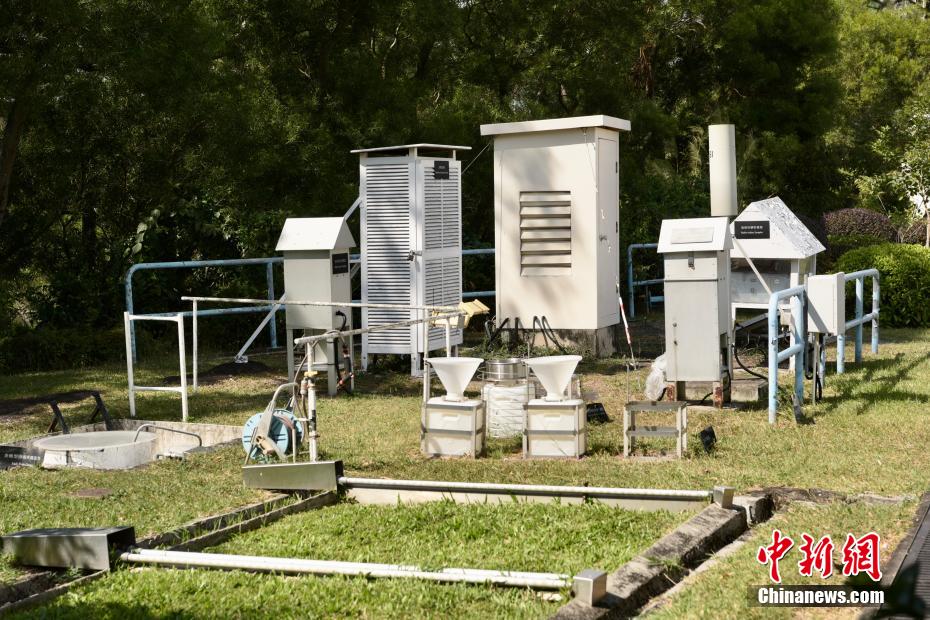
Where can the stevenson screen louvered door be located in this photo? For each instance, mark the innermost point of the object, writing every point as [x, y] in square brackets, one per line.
[439, 234]
[411, 247]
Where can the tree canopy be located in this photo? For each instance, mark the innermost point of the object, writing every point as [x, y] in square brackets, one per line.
[142, 130]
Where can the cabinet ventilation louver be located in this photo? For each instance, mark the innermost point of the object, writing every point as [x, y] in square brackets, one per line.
[387, 245]
[545, 233]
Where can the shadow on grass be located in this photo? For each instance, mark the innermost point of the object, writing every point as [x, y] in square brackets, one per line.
[885, 386]
[122, 611]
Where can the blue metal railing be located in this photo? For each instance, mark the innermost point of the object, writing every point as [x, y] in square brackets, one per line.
[633, 284]
[798, 328]
[859, 277]
[234, 262]
[197, 264]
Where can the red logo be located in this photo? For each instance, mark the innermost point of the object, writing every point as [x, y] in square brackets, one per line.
[817, 557]
[860, 555]
[773, 553]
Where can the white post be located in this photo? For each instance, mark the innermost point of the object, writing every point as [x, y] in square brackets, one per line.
[182, 355]
[448, 337]
[129, 370]
[426, 369]
[194, 355]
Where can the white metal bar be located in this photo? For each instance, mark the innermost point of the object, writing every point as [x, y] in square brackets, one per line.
[258, 330]
[523, 489]
[790, 352]
[185, 559]
[130, 377]
[182, 356]
[341, 304]
[375, 328]
[194, 344]
[172, 318]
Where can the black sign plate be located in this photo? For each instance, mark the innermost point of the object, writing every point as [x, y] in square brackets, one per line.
[340, 263]
[440, 170]
[12, 456]
[752, 230]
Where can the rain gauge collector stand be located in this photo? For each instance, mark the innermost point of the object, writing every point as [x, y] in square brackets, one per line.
[555, 426]
[452, 425]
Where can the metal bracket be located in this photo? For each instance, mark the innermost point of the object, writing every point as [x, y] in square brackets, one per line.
[58, 419]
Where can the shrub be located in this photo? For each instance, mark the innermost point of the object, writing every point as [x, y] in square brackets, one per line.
[861, 223]
[57, 349]
[915, 233]
[905, 280]
[817, 228]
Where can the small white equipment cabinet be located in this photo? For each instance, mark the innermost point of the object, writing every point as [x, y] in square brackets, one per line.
[316, 268]
[697, 302]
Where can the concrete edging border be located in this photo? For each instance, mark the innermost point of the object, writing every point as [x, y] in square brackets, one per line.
[671, 558]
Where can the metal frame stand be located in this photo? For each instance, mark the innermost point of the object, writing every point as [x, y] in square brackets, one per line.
[631, 431]
[182, 359]
[58, 419]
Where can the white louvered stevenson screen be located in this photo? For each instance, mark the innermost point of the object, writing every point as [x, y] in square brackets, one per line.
[442, 244]
[545, 233]
[387, 236]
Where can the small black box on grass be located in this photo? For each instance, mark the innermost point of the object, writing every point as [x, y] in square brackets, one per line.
[69, 547]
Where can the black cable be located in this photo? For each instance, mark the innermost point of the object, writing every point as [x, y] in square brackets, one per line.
[542, 331]
[709, 394]
[497, 332]
[340, 346]
[547, 327]
[752, 372]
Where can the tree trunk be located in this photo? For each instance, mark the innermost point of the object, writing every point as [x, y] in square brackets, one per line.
[11, 135]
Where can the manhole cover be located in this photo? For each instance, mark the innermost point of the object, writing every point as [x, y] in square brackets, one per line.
[93, 493]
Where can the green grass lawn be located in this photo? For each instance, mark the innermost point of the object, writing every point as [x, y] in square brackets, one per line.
[723, 592]
[521, 536]
[869, 435]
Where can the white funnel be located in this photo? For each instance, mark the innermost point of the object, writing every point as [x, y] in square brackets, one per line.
[554, 371]
[455, 373]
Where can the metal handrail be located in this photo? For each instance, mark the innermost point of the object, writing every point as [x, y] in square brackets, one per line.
[859, 277]
[797, 295]
[171, 430]
[633, 284]
[269, 262]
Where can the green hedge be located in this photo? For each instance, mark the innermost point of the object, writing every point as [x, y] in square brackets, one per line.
[905, 280]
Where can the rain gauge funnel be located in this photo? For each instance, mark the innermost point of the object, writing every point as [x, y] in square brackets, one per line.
[455, 373]
[554, 373]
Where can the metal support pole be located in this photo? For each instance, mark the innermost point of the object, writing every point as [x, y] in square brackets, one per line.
[127, 326]
[773, 363]
[130, 326]
[797, 315]
[182, 355]
[860, 285]
[795, 351]
[875, 310]
[629, 281]
[272, 326]
[426, 367]
[448, 338]
[194, 343]
[840, 352]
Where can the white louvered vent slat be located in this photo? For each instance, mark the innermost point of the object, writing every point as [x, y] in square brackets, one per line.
[545, 233]
[387, 228]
